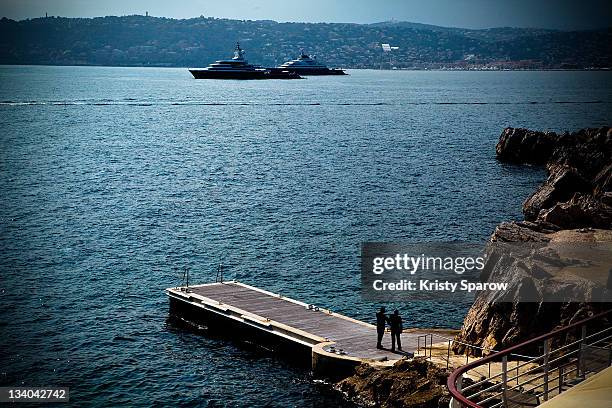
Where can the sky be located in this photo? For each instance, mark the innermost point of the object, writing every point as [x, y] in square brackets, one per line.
[556, 14]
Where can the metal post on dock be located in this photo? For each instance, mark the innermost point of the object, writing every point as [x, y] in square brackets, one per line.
[546, 368]
[448, 355]
[581, 352]
[219, 277]
[504, 373]
[186, 278]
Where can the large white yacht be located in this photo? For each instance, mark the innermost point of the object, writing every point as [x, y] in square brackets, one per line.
[305, 65]
[239, 68]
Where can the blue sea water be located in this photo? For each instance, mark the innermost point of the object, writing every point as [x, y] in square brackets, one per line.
[114, 179]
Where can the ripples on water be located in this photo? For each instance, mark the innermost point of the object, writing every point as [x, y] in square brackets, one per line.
[112, 179]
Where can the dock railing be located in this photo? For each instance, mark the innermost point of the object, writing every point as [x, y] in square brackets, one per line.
[567, 356]
[423, 346]
[219, 275]
[426, 350]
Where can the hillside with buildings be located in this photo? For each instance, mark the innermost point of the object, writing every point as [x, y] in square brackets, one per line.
[153, 41]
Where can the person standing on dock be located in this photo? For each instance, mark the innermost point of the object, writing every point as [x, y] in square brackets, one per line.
[381, 321]
[395, 321]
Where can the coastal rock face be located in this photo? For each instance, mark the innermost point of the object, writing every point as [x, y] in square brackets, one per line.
[498, 320]
[577, 162]
[408, 383]
[523, 231]
[518, 145]
[573, 205]
[563, 181]
[580, 211]
[495, 326]
[586, 149]
[577, 193]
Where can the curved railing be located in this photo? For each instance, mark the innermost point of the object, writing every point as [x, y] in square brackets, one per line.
[564, 365]
[450, 342]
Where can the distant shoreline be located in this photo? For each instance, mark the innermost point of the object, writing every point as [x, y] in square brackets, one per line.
[352, 69]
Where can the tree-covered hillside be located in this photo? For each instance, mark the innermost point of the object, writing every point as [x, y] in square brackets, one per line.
[140, 40]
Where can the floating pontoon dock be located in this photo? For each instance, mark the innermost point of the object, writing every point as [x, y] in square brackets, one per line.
[331, 343]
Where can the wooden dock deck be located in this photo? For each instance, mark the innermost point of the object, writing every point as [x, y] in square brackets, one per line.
[337, 343]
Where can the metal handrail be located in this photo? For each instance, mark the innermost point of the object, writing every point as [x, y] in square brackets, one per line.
[495, 385]
[516, 377]
[573, 343]
[500, 374]
[604, 339]
[458, 373]
[595, 334]
[219, 276]
[492, 396]
[568, 354]
[525, 391]
[452, 341]
[475, 346]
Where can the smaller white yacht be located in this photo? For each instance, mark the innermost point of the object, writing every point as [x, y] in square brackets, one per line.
[305, 65]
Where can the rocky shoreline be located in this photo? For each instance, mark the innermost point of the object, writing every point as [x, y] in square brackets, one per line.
[408, 383]
[574, 204]
[577, 193]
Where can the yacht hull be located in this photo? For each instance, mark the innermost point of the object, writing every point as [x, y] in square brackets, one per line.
[211, 74]
[278, 73]
[316, 71]
[268, 74]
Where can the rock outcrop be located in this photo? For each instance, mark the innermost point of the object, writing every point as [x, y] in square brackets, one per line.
[562, 183]
[573, 205]
[408, 383]
[525, 146]
[582, 210]
[578, 163]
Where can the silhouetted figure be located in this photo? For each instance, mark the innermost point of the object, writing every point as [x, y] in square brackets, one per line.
[381, 321]
[395, 321]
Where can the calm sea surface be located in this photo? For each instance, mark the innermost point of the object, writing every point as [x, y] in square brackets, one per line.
[112, 179]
